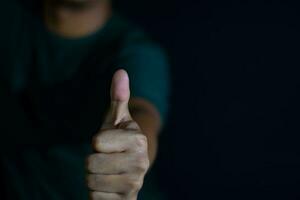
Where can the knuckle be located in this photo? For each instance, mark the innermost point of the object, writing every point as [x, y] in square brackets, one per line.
[97, 142]
[100, 135]
[94, 182]
[92, 158]
[135, 185]
[141, 141]
[93, 162]
[91, 181]
[142, 163]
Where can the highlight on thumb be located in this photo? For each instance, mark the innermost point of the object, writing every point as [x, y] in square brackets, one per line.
[120, 95]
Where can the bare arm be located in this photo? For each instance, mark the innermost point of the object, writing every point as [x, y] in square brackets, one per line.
[148, 118]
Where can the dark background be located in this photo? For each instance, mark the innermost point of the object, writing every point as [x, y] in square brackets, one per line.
[233, 129]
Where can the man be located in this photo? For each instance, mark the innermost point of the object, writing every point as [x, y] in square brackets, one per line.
[58, 59]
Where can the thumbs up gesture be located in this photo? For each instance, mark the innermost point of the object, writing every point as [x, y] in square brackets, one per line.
[120, 162]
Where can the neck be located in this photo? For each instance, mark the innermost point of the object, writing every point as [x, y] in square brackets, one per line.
[75, 19]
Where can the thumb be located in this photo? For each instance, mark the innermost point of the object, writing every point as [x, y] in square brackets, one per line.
[120, 94]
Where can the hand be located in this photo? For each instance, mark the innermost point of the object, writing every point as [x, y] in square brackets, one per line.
[117, 169]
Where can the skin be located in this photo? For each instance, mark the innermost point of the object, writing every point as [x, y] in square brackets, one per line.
[126, 145]
[75, 19]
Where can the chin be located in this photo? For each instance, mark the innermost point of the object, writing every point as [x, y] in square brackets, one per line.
[73, 2]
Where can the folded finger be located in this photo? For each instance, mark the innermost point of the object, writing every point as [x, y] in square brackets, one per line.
[106, 183]
[104, 196]
[110, 164]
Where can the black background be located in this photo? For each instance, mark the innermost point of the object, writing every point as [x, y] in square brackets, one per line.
[233, 129]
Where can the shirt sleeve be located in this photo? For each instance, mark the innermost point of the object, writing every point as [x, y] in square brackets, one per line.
[148, 69]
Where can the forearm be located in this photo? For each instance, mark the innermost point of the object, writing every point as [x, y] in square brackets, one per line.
[149, 121]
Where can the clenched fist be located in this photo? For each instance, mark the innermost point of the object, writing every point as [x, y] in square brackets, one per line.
[120, 162]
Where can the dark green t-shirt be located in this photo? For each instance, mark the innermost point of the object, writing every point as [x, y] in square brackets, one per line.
[54, 92]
